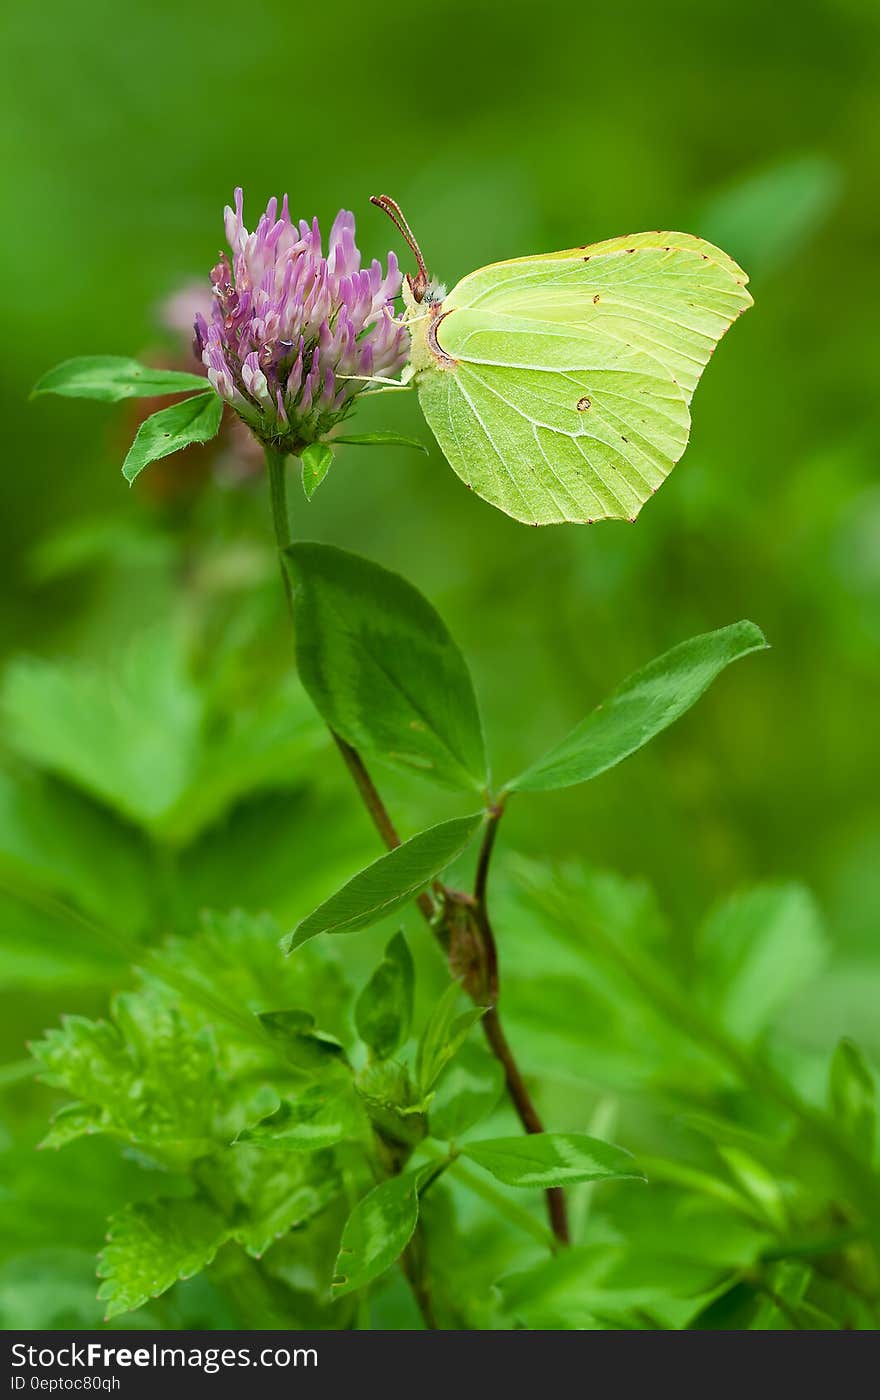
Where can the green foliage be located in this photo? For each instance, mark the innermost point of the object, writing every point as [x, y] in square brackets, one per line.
[273, 1193]
[389, 882]
[382, 669]
[300, 1042]
[151, 1246]
[54, 840]
[231, 963]
[383, 1011]
[317, 459]
[111, 378]
[551, 1159]
[852, 1096]
[321, 1116]
[642, 707]
[382, 439]
[445, 1031]
[613, 999]
[196, 420]
[756, 951]
[146, 1077]
[466, 1091]
[127, 739]
[377, 1231]
[143, 737]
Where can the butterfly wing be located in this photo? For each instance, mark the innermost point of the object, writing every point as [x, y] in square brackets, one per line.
[563, 383]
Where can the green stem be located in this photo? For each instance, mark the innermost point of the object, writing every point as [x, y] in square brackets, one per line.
[276, 463]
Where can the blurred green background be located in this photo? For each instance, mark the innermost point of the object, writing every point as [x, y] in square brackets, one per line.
[501, 130]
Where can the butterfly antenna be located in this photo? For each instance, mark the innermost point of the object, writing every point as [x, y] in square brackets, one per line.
[419, 284]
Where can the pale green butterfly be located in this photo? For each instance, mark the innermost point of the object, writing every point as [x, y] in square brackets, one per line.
[558, 386]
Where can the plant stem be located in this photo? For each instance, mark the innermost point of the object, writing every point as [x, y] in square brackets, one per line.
[381, 818]
[528, 1114]
[491, 1022]
[376, 807]
[487, 846]
[414, 1264]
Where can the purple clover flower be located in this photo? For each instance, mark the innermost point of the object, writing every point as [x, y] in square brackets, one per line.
[287, 323]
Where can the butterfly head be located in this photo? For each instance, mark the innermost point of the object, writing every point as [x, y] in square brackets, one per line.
[423, 299]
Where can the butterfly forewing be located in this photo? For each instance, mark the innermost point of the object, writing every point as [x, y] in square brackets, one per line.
[671, 294]
[565, 393]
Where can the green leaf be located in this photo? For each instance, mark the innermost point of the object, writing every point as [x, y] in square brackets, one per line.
[277, 1191]
[317, 460]
[111, 378]
[395, 1107]
[147, 1078]
[233, 960]
[53, 840]
[760, 1185]
[552, 1159]
[141, 735]
[755, 951]
[383, 1011]
[72, 1121]
[171, 429]
[306, 1047]
[585, 1285]
[442, 1037]
[128, 735]
[734, 1310]
[382, 669]
[318, 1118]
[467, 1090]
[153, 1244]
[377, 1232]
[389, 882]
[852, 1095]
[382, 439]
[643, 706]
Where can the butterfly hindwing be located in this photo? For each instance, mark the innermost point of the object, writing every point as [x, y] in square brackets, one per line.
[517, 436]
[563, 384]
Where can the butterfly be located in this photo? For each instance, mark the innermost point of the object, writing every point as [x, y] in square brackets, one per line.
[558, 386]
